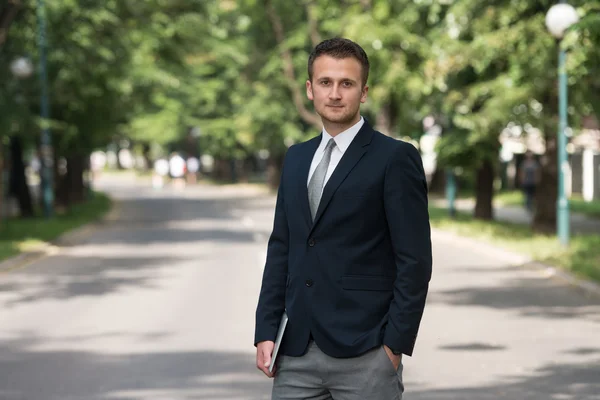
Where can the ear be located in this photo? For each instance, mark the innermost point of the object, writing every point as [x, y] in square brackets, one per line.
[363, 97]
[309, 91]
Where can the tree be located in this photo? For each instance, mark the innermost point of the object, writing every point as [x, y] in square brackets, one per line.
[8, 13]
[497, 65]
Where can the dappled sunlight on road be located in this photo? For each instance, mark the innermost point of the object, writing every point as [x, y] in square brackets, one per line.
[36, 373]
[158, 303]
[494, 329]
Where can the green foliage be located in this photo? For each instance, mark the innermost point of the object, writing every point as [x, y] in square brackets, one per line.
[29, 234]
[576, 203]
[149, 70]
[497, 64]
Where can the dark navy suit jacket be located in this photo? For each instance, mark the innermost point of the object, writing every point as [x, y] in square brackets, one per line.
[358, 275]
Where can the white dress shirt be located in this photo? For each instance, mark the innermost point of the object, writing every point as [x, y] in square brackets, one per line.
[342, 142]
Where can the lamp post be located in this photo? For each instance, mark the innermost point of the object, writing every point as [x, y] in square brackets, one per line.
[46, 156]
[558, 19]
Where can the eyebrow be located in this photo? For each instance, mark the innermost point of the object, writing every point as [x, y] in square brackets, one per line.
[326, 78]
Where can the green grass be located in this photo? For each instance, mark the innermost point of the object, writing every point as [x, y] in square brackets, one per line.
[576, 203]
[582, 257]
[18, 235]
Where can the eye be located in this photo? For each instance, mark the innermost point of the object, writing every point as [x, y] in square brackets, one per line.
[324, 83]
[347, 84]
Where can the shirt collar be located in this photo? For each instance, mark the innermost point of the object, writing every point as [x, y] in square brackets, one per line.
[343, 139]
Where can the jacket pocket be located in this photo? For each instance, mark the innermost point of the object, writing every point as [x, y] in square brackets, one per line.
[353, 193]
[366, 282]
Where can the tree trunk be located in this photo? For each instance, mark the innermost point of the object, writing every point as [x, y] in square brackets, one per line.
[146, 155]
[18, 181]
[233, 170]
[437, 183]
[1, 180]
[274, 167]
[222, 170]
[484, 190]
[61, 186]
[544, 218]
[76, 187]
[288, 68]
[383, 121]
[8, 13]
[313, 23]
[61, 194]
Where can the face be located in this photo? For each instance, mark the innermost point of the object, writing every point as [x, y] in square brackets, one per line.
[337, 90]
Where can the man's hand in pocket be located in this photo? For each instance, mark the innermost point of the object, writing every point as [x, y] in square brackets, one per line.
[395, 359]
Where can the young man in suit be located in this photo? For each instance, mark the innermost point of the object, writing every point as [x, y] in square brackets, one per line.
[349, 259]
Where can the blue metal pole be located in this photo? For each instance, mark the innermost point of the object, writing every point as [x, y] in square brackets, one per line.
[47, 157]
[562, 209]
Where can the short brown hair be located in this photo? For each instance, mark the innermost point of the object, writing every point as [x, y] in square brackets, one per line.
[340, 48]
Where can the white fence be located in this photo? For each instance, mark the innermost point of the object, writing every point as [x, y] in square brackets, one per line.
[585, 174]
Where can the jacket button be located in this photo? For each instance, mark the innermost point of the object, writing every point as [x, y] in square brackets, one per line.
[311, 242]
[309, 282]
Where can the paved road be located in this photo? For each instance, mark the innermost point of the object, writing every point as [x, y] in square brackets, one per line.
[159, 304]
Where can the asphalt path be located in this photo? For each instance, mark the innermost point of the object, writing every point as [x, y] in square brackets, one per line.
[158, 303]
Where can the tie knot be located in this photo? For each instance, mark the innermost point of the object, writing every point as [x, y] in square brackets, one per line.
[330, 145]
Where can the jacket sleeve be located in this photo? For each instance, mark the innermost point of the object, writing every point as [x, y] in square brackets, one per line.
[405, 202]
[271, 302]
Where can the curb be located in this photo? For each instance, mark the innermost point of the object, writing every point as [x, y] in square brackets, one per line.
[23, 259]
[587, 288]
[69, 238]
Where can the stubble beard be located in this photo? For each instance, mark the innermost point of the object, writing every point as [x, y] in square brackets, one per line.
[338, 119]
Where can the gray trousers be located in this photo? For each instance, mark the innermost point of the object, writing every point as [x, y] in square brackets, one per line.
[317, 376]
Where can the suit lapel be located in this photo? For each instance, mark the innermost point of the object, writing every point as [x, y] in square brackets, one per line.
[353, 154]
[305, 162]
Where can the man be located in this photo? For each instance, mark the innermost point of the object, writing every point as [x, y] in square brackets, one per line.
[529, 177]
[349, 258]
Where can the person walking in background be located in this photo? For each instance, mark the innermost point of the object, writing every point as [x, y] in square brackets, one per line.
[349, 258]
[529, 177]
[177, 169]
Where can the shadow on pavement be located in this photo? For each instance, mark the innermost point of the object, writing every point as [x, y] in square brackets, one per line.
[582, 351]
[535, 297]
[158, 209]
[472, 347]
[554, 381]
[60, 375]
[182, 220]
[486, 269]
[160, 234]
[27, 373]
[55, 279]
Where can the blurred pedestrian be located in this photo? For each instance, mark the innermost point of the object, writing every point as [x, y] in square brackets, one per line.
[160, 171]
[193, 167]
[529, 177]
[177, 170]
[349, 258]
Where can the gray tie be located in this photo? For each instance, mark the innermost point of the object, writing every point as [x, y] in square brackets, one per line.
[315, 186]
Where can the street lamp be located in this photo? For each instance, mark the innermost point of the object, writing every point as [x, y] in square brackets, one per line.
[558, 19]
[46, 151]
[21, 68]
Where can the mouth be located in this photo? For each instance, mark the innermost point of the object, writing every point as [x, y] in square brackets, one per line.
[332, 106]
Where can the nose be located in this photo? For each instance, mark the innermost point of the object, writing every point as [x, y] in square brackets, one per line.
[334, 94]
